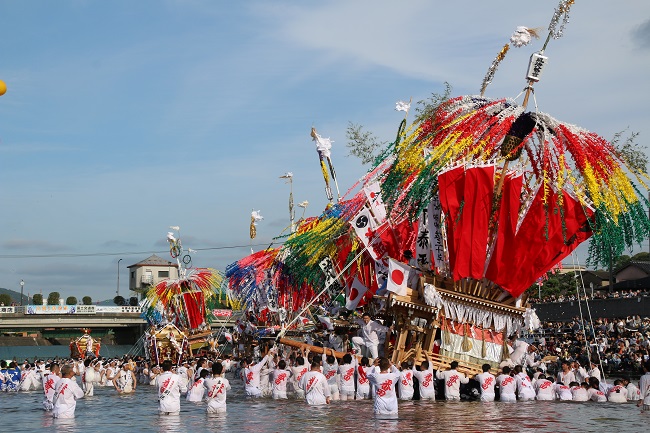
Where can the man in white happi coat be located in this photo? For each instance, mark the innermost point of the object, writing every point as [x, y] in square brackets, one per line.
[544, 390]
[50, 379]
[346, 377]
[633, 392]
[617, 393]
[452, 379]
[384, 376]
[216, 387]
[406, 388]
[66, 394]
[252, 377]
[314, 384]
[300, 367]
[369, 338]
[486, 381]
[507, 385]
[169, 390]
[579, 392]
[426, 379]
[330, 371]
[279, 379]
[525, 389]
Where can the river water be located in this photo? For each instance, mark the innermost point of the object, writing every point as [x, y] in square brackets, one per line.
[107, 412]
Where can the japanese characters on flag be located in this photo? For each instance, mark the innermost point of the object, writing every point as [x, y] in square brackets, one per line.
[398, 274]
[354, 294]
[423, 242]
[331, 282]
[381, 272]
[373, 194]
[434, 211]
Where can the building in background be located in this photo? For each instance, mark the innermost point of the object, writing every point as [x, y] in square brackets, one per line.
[150, 272]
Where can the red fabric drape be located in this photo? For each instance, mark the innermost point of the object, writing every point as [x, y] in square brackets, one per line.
[451, 189]
[548, 233]
[502, 254]
[195, 308]
[472, 228]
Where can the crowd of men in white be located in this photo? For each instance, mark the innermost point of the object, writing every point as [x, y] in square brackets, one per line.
[317, 379]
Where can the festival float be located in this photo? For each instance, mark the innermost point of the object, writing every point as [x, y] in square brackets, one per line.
[488, 194]
[178, 310]
[85, 346]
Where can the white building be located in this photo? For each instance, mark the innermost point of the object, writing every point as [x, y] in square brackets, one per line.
[150, 272]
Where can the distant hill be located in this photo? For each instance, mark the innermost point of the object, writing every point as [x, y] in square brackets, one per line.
[106, 302]
[15, 296]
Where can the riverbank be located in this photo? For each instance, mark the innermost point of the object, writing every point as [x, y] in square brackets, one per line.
[21, 353]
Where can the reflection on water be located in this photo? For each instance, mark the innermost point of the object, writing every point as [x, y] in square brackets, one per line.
[108, 412]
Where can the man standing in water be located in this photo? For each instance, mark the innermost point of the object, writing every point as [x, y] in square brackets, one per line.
[452, 379]
[49, 385]
[384, 376]
[644, 387]
[217, 386]
[314, 384]
[66, 394]
[169, 390]
[252, 376]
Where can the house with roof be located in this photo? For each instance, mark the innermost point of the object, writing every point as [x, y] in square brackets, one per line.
[633, 271]
[150, 272]
[633, 276]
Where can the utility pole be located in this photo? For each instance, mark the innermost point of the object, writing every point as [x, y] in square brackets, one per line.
[118, 278]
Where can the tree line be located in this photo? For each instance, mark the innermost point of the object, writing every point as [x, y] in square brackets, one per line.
[54, 298]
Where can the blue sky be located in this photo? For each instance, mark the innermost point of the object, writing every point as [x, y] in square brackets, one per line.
[122, 118]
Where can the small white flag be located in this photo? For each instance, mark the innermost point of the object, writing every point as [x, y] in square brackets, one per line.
[398, 274]
[327, 322]
[355, 294]
[402, 106]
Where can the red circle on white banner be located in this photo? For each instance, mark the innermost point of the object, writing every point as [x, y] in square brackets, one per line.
[354, 293]
[397, 276]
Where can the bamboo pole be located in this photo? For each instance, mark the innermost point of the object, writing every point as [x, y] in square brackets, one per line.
[315, 349]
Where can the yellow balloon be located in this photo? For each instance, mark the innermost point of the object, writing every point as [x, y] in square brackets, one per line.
[3, 88]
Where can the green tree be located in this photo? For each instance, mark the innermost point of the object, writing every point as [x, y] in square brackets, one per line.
[631, 152]
[641, 257]
[71, 300]
[426, 107]
[556, 283]
[53, 298]
[119, 300]
[621, 261]
[87, 300]
[362, 144]
[37, 299]
[365, 145]
[5, 299]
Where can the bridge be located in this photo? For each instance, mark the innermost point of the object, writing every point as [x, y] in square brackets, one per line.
[69, 316]
[125, 321]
